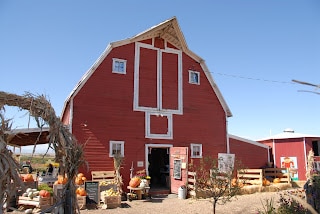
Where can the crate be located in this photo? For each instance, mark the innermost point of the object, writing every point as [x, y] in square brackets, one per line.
[81, 202]
[39, 202]
[112, 201]
[103, 175]
[58, 191]
[31, 184]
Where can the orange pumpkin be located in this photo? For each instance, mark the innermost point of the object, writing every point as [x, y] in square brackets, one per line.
[28, 178]
[276, 180]
[80, 175]
[80, 179]
[62, 180]
[56, 182]
[81, 191]
[44, 193]
[134, 182]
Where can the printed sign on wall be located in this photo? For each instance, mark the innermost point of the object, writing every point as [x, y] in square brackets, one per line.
[290, 163]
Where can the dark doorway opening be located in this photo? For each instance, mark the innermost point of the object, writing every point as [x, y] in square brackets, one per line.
[159, 168]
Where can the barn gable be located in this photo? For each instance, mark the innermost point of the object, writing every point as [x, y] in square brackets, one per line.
[169, 31]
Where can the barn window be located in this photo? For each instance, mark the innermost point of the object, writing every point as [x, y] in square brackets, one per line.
[196, 150]
[116, 147]
[316, 148]
[194, 77]
[119, 66]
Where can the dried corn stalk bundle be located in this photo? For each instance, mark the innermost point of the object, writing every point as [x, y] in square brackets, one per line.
[68, 152]
[117, 162]
[9, 175]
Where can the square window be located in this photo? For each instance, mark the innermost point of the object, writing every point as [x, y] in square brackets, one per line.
[116, 147]
[196, 150]
[119, 66]
[194, 77]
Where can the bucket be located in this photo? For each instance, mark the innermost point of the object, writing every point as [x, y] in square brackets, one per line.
[182, 192]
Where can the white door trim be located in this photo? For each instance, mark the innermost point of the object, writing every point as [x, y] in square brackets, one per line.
[149, 146]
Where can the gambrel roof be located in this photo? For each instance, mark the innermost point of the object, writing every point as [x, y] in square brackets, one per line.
[168, 30]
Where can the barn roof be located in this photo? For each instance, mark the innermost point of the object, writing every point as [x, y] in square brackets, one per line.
[288, 134]
[168, 30]
[28, 137]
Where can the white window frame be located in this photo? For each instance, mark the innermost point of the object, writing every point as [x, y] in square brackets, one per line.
[114, 68]
[114, 142]
[192, 80]
[192, 147]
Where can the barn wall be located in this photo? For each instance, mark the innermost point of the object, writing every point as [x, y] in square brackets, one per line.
[251, 156]
[291, 148]
[103, 111]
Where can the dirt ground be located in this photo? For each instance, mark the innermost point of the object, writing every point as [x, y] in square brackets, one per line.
[250, 203]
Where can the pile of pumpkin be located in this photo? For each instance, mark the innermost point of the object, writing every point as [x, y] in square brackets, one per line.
[61, 180]
[27, 178]
[80, 179]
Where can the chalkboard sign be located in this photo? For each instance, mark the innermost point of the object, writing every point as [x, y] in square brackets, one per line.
[177, 169]
[93, 192]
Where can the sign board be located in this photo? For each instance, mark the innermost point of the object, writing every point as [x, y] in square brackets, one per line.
[93, 191]
[177, 169]
[226, 162]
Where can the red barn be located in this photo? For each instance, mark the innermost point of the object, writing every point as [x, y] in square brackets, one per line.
[152, 100]
[290, 150]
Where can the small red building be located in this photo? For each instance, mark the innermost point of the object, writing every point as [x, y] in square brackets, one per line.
[152, 100]
[290, 150]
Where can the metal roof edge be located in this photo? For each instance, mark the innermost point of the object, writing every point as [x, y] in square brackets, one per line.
[248, 141]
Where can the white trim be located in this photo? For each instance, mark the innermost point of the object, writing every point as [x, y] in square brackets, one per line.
[305, 153]
[158, 107]
[191, 150]
[111, 142]
[71, 115]
[114, 60]
[147, 146]
[249, 141]
[227, 135]
[191, 79]
[148, 133]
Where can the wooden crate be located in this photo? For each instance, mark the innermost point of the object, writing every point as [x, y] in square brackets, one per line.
[103, 175]
[251, 176]
[112, 201]
[81, 201]
[281, 173]
[58, 191]
[40, 202]
[31, 184]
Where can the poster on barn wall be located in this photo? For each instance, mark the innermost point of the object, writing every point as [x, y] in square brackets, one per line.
[226, 162]
[290, 163]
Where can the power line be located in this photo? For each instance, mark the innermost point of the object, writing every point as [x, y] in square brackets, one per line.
[251, 78]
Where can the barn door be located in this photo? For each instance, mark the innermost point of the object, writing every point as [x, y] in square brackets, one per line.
[178, 167]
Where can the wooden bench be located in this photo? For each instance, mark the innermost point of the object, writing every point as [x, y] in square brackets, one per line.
[103, 175]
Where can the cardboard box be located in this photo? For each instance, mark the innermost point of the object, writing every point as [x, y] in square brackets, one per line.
[112, 201]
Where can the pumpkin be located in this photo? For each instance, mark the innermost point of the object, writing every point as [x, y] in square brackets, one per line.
[80, 179]
[276, 180]
[56, 182]
[265, 182]
[28, 178]
[81, 191]
[134, 182]
[62, 180]
[44, 194]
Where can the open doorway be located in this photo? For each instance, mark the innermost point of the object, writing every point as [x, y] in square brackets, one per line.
[158, 167]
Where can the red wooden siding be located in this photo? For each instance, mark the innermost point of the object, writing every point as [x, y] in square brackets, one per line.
[159, 124]
[148, 78]
[251, 156]
[169, 81]
[105, 105]
[291, 148]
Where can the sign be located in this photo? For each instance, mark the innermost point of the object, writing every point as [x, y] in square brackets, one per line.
[226, 162]
[177, 169]
[291, 163]
[93, 191]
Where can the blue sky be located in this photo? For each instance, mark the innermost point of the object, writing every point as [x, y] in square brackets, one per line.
[253, 49]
